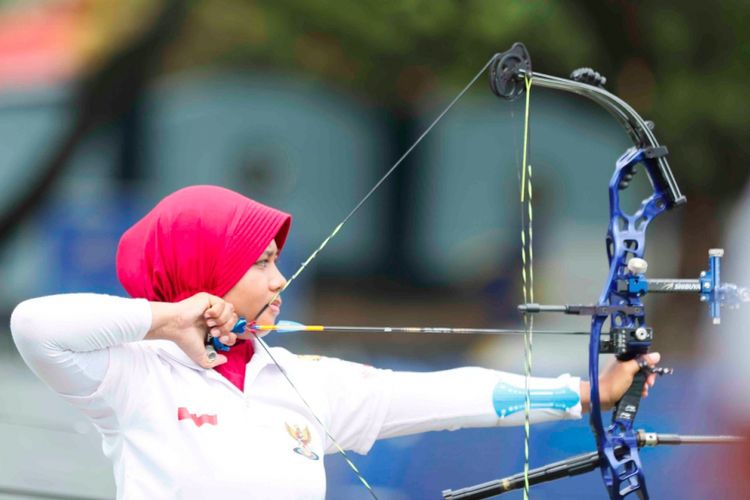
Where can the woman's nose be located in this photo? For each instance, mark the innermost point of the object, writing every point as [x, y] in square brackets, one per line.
[278, 282]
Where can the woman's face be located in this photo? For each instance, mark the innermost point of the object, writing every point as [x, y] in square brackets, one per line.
[257, 287]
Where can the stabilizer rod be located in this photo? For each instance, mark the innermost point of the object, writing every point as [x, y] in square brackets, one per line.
[575, 466]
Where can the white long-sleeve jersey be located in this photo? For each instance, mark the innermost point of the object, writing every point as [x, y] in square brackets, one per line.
[175, 430]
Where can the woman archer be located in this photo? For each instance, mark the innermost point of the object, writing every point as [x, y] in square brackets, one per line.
[177, 425]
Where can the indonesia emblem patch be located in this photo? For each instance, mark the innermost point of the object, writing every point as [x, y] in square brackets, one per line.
[303, 437]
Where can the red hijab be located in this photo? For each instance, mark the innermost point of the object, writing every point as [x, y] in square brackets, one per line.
[199, 239]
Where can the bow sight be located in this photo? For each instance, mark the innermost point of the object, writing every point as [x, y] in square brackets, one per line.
[619, 304]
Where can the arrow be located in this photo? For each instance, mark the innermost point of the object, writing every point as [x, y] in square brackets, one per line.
[241, 327]
[295, 327]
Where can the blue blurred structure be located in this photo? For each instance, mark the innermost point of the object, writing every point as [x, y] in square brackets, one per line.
[82, 236]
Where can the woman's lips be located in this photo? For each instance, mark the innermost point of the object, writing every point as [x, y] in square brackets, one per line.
[275, 307]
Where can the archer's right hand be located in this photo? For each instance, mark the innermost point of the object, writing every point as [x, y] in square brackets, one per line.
[188, 322]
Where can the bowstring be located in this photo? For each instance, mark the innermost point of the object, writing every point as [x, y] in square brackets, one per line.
[527, 278]
[377, 185]
[325, 242]
[328, 434]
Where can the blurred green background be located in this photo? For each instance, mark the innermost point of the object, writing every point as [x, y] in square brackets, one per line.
[105, 107]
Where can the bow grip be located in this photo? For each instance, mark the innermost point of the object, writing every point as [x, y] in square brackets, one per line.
[627, 407]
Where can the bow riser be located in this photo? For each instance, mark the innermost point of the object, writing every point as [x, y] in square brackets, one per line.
[626, 239]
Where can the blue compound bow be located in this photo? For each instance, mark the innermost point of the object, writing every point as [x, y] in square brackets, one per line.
[619, 304]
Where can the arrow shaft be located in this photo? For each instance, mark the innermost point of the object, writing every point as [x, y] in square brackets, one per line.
[409, 329]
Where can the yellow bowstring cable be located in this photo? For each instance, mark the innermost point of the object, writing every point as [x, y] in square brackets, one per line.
[527, 276]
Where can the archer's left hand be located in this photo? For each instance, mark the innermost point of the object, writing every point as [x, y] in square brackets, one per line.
[618, 376]
[616, 380]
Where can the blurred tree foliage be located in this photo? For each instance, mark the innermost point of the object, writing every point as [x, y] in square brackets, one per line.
[680, 63]
[393, 51]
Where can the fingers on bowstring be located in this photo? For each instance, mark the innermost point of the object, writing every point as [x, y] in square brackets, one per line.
[220, 319]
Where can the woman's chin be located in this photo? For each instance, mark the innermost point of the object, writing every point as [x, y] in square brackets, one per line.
[267, 318]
